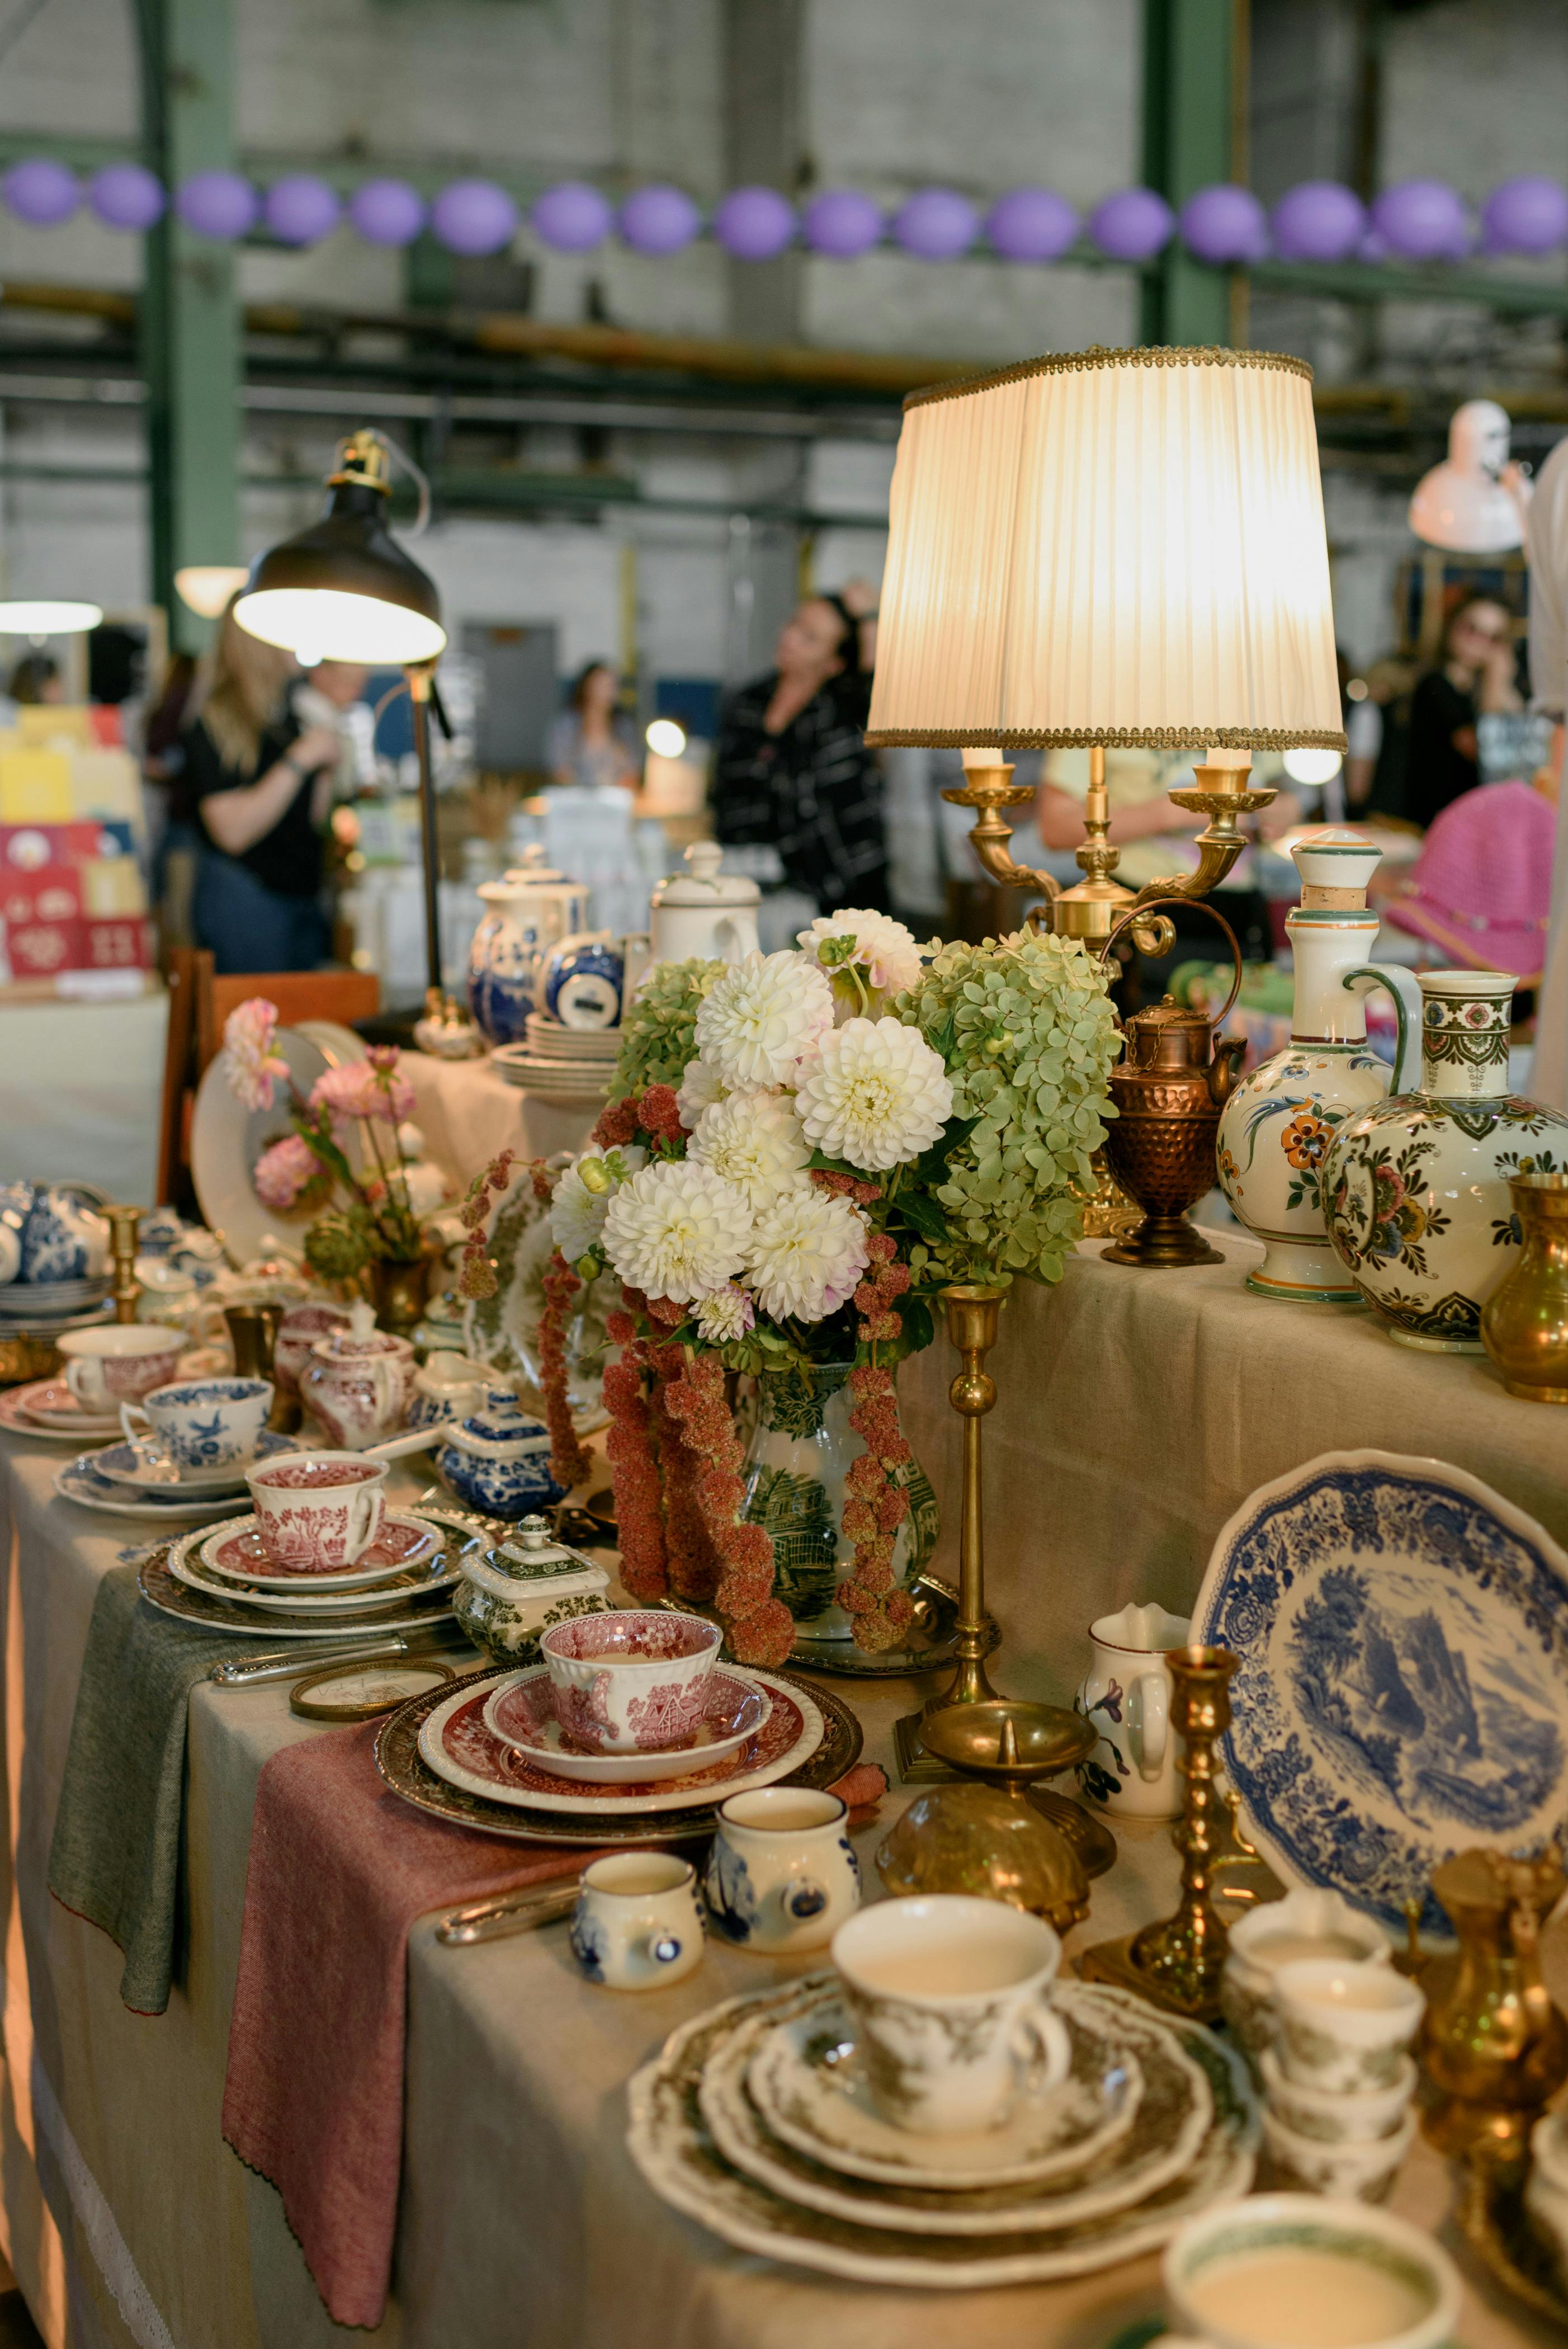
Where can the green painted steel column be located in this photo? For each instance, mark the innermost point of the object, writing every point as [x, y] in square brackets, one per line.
[190, 322]
[1189, 57]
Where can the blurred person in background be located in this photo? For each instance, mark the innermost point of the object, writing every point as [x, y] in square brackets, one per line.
[791, 770]
[1477, 671]
[35, 680]
[592, 742]
[1378, 727]
[259, 785]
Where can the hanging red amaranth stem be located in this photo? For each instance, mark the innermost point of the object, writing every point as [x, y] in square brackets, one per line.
[568, 1461]
[694, 1565]
[761, 1631]
[633, 1465]
[876, 1506]
[476, 1274]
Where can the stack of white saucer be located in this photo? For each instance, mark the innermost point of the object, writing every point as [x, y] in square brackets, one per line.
[571, 1066]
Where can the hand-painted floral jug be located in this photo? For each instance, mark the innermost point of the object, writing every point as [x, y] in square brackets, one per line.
[526, 914]
[1416, 1187]
[1280, 1118]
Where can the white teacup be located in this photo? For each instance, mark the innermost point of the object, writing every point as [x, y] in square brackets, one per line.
[318, 1512]
[1337, 2115]
[1362, 2168]
[950, 2001]
[201, 1423]
[1297, 2272]
[1345, 2022]
[782, 1872]
[1309, 1922]
[636, 1925]
[119, 1362]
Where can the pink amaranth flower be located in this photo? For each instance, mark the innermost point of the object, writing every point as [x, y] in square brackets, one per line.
[364, 1089]
[250, 1064]
[284, 1171]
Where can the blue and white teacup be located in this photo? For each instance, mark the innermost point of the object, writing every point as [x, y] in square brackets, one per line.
[201, 1423]
[583, 979]
[636, 1925]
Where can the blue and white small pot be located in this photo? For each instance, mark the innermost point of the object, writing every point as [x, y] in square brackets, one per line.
[636, 1925]
[497, 1461]
[525, 916]
[61, 1239]
[583, 981]
[201, 1422]
[781, 1874]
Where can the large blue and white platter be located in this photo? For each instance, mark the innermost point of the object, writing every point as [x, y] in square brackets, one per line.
[1403, 1688]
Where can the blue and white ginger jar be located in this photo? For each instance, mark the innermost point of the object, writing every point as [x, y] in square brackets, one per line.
[526, 914]
[497, 1461]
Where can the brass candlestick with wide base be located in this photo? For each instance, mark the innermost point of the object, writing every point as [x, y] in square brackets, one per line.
[1014, 1747]
[1177, 1962]
[1035, 1731]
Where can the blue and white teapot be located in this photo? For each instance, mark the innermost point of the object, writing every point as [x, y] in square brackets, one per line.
[497, 1460]
[58, 1237]
[527, 913]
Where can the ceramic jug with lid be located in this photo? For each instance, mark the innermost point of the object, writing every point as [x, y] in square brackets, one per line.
[1416, 1187]
[1280, 1120]
[704, 911]
[358, 1383]
[526, 914]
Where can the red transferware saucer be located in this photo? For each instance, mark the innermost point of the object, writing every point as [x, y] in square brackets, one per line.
[521, 1714]
[236, 1552]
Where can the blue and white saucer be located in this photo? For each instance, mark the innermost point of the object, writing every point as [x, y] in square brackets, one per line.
[123, 1463]
[78, 1480]
[1403, 1690]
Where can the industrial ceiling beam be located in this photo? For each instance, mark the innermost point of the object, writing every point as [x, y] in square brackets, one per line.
[1190, 59]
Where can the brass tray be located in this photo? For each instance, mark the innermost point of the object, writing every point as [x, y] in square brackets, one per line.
[1498, 2227]
[406, 1771]
[936, 1614]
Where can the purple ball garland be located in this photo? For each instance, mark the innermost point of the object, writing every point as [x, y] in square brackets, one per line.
[843, 223]
[658, 220]
[127, 196]
[1032, 224]
[1318, 221]
[1224, 223]
[1133, 225]
[41, 192]
[937, 224]
[573, 217]
[1527, 214]
[473, 218]
[754, 224]
[1421, 219]
[218, 205]
[299, 208]
[386, 212]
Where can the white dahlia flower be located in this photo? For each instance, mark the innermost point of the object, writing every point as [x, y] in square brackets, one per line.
[676, 1230]
[808, 1252]
[728, 1313]
[764, 1014]
[699, 1088]
[875, 1096]
[882, 951]
[582, 1197]
[754, 1141]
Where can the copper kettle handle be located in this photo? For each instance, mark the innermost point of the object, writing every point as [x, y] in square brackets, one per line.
[1197, 905]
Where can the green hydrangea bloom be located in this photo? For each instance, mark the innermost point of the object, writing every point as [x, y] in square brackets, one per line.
[1027, 1031]
[658, 1034]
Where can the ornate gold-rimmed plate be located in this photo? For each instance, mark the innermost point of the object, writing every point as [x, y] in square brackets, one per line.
[808, 2094]
[1125, 2066]
[459, 1746]
[403, 1766]
[672, 2145]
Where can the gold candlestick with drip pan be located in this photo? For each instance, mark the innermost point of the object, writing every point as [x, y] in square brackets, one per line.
[974, 1717]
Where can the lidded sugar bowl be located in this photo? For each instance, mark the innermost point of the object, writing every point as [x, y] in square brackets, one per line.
[497, 1460]
[510, 1594]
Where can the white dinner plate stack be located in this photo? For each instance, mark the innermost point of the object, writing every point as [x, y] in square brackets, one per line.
[571, 1067]
[750, 2121]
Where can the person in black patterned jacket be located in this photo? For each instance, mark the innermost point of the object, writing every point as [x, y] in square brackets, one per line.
[792, 769]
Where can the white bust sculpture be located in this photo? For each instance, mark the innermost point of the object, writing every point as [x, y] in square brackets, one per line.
[1475, 501]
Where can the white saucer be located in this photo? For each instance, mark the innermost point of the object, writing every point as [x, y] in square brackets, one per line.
[235, 1553]
[123, 1465]
[424, 1570]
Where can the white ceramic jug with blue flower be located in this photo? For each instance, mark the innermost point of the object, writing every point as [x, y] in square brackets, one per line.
[781, 1873]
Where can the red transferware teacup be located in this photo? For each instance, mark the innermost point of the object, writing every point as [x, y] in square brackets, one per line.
[317, 1512]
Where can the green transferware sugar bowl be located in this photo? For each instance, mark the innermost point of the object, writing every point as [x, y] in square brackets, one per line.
[510, 1594]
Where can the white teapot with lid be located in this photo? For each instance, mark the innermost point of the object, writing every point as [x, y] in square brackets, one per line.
[526, 914]
[705, 913]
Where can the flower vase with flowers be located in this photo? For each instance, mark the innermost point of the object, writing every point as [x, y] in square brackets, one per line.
[800, 1152]
[371, 1217]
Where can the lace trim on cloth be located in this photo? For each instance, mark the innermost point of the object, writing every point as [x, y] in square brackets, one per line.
[1101, 356]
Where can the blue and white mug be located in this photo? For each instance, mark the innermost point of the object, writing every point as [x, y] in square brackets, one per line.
[584, 979]
[201, 1422]
[636, 1925]
[781, 1873]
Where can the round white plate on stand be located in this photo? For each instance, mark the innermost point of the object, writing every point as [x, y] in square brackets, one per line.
[227, 1139]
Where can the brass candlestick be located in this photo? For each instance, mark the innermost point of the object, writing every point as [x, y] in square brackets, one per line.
[1176, 1964]
[124, 1223]
[254, 1334]
[1014, 1747]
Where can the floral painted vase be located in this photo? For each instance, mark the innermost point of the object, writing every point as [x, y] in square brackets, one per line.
[799, 1453]
[525, 916]
[1416, 1187]
[1280, 1120]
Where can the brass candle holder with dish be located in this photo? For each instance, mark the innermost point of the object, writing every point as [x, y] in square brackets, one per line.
[124, 1223]
[972, 1313]
[997, 1838]
[1493, 2045]
[1177, 1962]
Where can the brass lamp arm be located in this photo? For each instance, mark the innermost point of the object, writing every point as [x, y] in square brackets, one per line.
[987, 790]
[1219, 843]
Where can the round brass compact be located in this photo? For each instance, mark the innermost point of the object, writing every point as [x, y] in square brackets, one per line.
[1014, 1746]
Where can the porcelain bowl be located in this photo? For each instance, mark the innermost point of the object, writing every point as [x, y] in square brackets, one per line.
[631, 1682]
[1365, 2171]
[1338, 2116]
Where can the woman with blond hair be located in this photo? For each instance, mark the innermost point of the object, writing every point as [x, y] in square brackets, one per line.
[252, 778]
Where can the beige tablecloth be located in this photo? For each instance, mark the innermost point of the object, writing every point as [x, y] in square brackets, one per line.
[467, 1112]
[1129, 1404]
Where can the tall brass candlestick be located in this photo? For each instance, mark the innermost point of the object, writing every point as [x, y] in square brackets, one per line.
[1177, 1962]
[124, 1223]
[972, 1315]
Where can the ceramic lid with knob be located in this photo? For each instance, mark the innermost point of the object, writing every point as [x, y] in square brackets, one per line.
[531, 874]
[703, 884]
[500, 1429]
[531, 1554]
[1337, 859]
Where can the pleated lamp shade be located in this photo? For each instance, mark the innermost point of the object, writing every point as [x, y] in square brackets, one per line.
[1116, 547]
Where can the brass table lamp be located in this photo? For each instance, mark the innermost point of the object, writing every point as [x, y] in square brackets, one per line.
[1177, 1963]
[1109, 549]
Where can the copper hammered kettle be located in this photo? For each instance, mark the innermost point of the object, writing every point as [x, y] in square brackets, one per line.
[1173, 1080]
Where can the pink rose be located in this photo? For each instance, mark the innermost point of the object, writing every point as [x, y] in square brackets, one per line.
[284, 1171]
[364, 1089]
[250, 1064]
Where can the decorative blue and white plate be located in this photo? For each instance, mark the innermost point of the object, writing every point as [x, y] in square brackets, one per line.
[1403, 1690]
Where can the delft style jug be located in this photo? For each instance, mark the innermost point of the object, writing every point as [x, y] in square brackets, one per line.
[1416, 1187]
[1280, 1120]
[526, 914]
